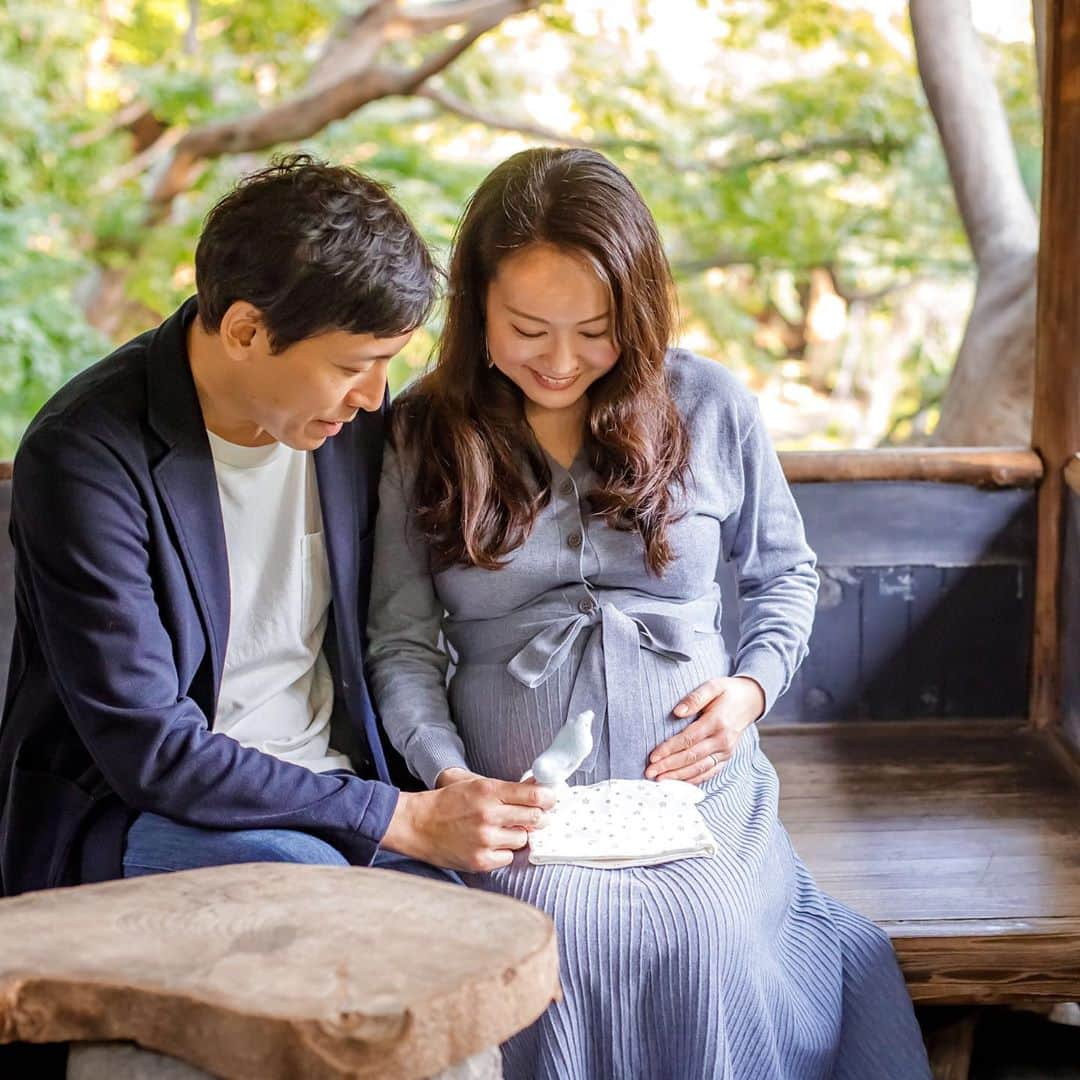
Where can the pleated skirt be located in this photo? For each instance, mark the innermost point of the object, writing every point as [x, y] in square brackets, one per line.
[735, 966]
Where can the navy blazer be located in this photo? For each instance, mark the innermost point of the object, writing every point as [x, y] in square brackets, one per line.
[121, 620]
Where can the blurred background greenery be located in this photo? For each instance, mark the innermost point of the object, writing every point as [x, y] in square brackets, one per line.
[784, 146]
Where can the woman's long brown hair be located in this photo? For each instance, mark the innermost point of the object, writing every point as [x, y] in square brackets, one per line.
[480, 475]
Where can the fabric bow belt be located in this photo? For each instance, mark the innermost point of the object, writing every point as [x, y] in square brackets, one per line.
[608, 681]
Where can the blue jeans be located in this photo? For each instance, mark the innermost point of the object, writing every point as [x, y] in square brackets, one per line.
[158, 845]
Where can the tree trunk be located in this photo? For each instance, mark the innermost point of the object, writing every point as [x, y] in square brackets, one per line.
[989, 397]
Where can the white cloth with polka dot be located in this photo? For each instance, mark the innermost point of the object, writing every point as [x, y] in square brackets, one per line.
[620, 823]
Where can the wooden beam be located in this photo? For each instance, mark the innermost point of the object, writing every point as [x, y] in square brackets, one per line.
[950, 1046]
[1001, 467]
[1056, 426]
[977, 466]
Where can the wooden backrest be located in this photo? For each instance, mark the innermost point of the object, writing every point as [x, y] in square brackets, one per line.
[926, 561]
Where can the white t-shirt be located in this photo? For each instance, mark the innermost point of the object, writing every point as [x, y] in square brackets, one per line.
[277, 692]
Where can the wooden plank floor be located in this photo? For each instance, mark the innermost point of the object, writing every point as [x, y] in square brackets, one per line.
[961, 839]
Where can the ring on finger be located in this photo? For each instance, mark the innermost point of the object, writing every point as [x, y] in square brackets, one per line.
[715, 761]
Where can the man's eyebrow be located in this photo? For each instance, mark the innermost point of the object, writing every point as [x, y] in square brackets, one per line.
[356, 361]
[536, 318]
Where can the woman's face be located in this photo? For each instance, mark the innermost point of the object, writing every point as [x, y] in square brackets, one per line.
[550, 326]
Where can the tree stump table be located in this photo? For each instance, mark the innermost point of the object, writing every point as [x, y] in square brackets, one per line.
[276, 970]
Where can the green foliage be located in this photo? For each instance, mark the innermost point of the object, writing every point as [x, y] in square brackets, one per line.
[791, 135]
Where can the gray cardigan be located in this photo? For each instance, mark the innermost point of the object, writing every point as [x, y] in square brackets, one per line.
[574, 577]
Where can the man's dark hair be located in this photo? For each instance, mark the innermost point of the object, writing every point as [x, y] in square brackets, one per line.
[316, 248]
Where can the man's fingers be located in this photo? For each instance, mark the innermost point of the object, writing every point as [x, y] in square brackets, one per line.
[504, 839]
[487, 861]
[525, 794]
[516, 817]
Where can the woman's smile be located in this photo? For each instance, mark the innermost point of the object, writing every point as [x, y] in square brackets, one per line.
[550, 382]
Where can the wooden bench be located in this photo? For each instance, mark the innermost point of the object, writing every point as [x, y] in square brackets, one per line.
[912, 782]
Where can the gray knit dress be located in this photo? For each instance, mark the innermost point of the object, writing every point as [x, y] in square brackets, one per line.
[735, 966]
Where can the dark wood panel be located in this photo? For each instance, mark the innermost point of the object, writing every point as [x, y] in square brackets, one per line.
[960, 839]
[1070, 628]
[978, 466]
[925, 606]
[914, 641]
[916, 524]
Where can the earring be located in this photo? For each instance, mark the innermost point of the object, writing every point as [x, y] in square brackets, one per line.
[487, 355]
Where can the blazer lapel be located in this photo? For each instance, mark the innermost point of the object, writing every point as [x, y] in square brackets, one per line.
[337, 475]
[187, 483]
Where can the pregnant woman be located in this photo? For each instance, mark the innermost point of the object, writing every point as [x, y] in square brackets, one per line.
[561, 489]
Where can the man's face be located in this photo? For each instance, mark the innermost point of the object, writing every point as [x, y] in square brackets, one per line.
[303, 395]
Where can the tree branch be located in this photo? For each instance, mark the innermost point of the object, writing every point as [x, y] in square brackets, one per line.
[485, 20]
[812, 148]
[141, 162]
[309, 112]
[453, 104]
[353, 44]
[426, 20]
[127, 117]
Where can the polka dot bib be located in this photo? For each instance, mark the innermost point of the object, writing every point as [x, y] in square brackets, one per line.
[620, 823]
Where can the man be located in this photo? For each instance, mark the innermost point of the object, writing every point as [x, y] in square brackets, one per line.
[192, 525]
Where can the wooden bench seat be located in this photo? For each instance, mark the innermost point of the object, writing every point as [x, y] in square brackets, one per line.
[960, 839]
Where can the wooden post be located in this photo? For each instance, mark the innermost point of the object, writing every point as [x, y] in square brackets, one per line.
[1056, 427]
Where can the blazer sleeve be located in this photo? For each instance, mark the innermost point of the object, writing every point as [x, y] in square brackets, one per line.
[83, 554]
[406, 664]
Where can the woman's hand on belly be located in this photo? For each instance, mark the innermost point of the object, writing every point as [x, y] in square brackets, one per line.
[726, 708]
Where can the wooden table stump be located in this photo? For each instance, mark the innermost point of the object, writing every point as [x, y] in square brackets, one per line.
[126, 1061]
[276, 970]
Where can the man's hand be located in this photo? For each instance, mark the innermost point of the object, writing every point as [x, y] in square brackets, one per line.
[726, 708]
[469, 822]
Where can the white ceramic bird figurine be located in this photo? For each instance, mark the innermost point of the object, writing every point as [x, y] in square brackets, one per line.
[566, 753]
